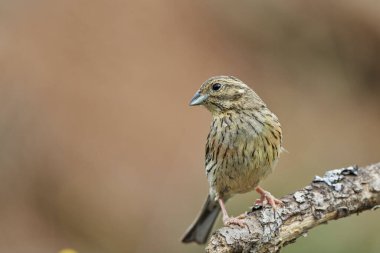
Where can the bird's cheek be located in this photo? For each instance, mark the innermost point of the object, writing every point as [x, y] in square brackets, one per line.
[209, 107]
[227, 104]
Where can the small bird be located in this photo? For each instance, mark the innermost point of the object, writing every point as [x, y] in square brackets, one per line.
[242, 148]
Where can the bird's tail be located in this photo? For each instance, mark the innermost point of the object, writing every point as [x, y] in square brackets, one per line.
[200, 229]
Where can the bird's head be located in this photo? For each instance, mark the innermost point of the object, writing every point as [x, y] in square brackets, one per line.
[220, 94]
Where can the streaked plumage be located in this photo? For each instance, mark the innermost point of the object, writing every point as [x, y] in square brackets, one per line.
[242, 148]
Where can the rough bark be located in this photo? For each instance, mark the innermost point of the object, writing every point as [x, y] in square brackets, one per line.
[338, 194]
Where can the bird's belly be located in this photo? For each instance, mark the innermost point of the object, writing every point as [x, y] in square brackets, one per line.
[238, 160]
[239, 179]
[246, 178]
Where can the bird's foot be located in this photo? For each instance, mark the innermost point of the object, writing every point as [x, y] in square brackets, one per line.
[267, 198]
[228, 221]
[242, 216]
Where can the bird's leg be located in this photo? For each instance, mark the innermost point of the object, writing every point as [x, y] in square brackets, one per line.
[267, 196]
[227, 221]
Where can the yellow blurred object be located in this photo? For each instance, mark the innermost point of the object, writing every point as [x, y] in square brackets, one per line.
[68, 251]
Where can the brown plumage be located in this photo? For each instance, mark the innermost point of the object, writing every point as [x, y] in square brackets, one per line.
[242, 148]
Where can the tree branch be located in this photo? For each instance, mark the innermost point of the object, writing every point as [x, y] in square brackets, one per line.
[338, 194]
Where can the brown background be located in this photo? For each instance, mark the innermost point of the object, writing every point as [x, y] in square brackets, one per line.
[99, 150]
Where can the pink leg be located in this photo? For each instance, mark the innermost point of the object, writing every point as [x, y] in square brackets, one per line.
[267, 196]
[227, 221]
[260, 201]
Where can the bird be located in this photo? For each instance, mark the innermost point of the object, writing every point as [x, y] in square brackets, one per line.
[242, 148]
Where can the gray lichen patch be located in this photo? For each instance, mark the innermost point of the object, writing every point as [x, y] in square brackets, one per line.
[231, 235]
[333, 177]
[375, 184]
[268, 215]
[318, 200]
[357, 187]
[299, 197]
[308, 188]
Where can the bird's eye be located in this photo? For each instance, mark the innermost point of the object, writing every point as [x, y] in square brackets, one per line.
[216, 86]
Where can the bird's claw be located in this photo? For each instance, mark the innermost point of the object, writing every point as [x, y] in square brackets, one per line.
[228, 221]
[267, 198]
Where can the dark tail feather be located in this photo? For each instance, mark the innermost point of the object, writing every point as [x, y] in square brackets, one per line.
[200, 229]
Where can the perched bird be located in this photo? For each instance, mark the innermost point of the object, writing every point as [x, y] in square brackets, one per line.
[242, 148]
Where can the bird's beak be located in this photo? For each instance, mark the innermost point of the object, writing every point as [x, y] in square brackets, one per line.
[198, 98]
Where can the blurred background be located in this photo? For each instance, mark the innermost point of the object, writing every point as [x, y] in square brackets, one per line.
[99, 150]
